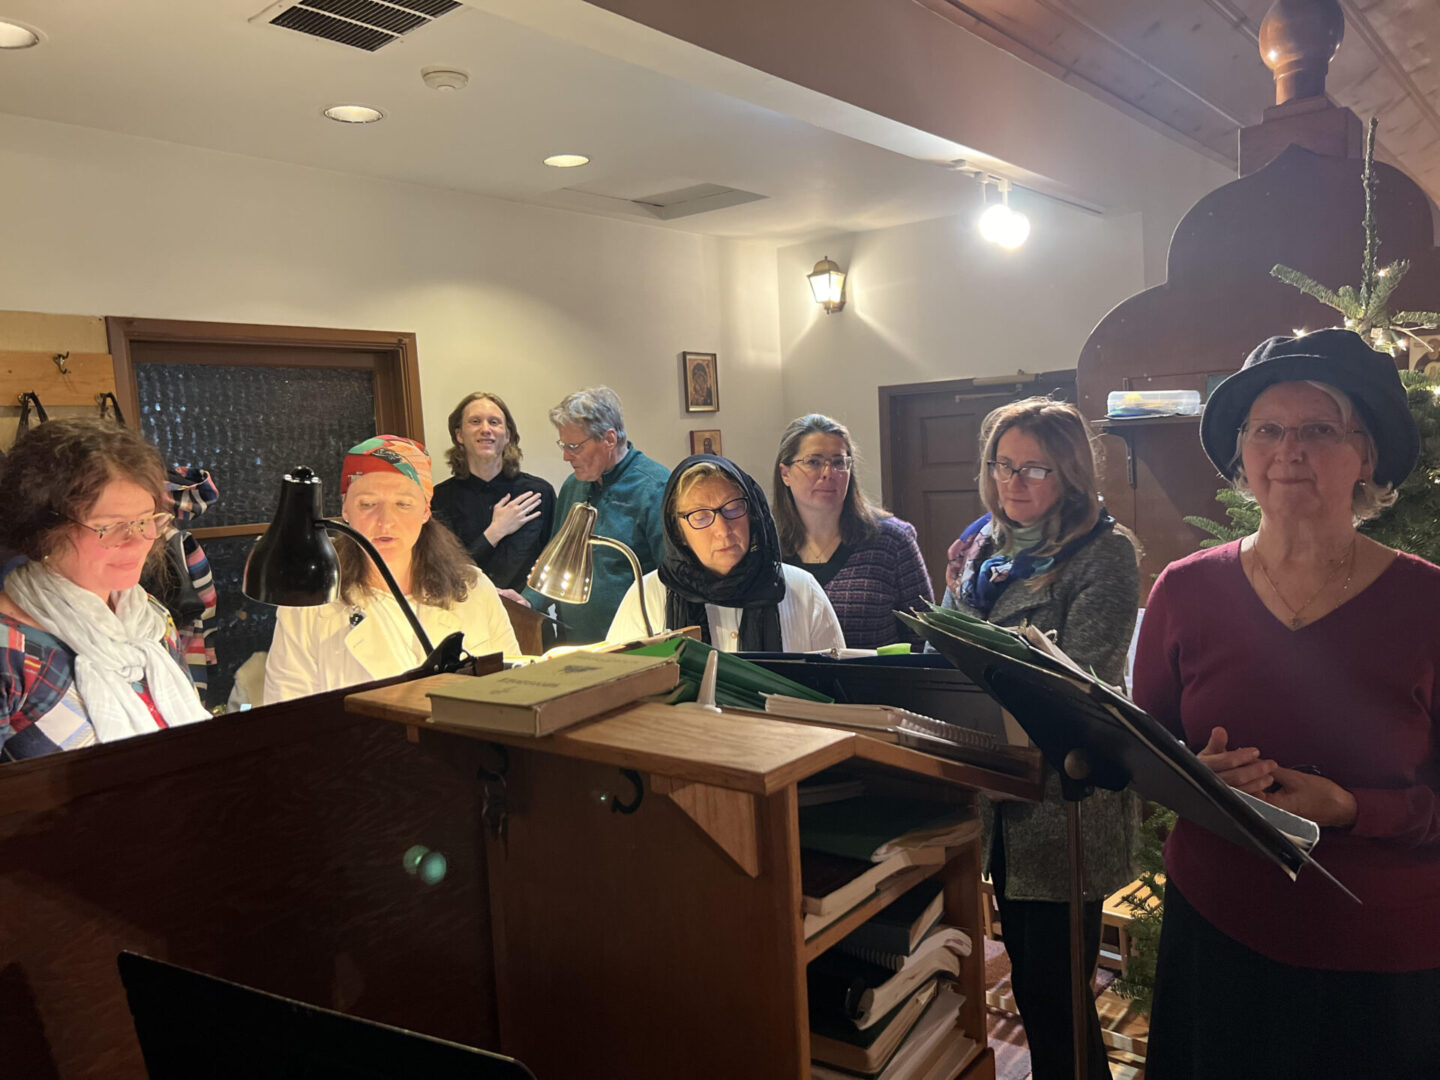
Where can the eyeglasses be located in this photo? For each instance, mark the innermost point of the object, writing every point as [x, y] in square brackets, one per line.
[705, 516]
[572, 447]
[113, 536]
[1004, 472]
[817, 464]
[1313, 433]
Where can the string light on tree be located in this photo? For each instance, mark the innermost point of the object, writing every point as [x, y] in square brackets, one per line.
[1367, 310]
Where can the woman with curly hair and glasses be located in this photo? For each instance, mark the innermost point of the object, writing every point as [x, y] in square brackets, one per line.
[722, 570]
[88, 656]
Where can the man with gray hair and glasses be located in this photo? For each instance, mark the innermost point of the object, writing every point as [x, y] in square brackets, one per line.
[626, 489]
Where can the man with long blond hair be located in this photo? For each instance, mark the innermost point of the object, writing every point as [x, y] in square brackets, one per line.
[503, 516]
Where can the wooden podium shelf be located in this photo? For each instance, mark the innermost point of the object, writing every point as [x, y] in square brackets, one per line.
[669, 941]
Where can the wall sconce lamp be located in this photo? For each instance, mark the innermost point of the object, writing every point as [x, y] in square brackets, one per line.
[295, 565]
[827, 285]
[998, 223]
[565, 570]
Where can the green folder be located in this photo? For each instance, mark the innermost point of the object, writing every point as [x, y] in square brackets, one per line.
[739, 684]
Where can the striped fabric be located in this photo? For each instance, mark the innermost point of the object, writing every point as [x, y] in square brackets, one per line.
[40, 712]
[195, 641]
[195, 491]
[884, 575]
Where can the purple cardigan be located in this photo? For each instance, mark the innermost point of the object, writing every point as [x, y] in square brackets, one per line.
[879, 577]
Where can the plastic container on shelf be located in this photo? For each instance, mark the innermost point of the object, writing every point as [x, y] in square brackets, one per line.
[1131, 404]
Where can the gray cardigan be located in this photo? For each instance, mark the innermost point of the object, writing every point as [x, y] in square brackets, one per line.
[1090, 603]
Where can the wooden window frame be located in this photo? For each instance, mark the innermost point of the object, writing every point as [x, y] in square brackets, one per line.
[397, 376]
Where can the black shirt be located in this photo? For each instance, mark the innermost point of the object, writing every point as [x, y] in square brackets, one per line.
[467, 503]
[826, 571]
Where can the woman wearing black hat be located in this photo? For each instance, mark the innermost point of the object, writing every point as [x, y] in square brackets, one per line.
[722, 570]
[1303, 665]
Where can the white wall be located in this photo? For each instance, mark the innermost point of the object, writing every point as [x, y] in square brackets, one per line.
[933, 300]
[527, 302]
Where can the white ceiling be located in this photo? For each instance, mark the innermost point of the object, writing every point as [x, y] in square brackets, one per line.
[198, 72]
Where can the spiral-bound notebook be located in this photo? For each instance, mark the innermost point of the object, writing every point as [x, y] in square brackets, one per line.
[905, 728]
[877, 718]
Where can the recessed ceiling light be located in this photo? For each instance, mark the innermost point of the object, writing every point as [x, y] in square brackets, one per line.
[354, 114]
[567, 161]
[15, 36]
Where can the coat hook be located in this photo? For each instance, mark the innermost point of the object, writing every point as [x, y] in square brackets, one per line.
[59, 361]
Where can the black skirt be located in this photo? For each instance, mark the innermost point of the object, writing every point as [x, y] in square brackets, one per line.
[1222, 1010]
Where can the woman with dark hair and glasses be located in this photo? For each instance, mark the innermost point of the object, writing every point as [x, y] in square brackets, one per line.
[867, 560]
[88, 656]
[722, 570]
[1046, 553]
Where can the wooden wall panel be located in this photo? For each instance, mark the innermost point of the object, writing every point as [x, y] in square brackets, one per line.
[265, 848]
[39, 332]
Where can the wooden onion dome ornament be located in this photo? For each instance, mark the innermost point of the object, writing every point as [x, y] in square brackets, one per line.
[1298, 38]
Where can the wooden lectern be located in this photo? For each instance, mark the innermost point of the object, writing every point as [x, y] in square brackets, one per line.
[667, 940]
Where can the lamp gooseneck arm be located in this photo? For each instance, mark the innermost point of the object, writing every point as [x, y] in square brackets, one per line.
[639, 577]
[331, 525]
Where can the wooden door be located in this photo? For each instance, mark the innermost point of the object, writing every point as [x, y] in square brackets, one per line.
[931, 438]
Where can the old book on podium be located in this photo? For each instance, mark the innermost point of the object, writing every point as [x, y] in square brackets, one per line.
[1065, 709]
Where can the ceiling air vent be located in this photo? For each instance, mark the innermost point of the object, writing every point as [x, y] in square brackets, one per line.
[360, 24]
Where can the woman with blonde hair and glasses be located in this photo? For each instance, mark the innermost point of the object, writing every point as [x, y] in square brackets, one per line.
[88, 656]
[1046, 553]
[722, 570]
[1302, 664]
[866, 559]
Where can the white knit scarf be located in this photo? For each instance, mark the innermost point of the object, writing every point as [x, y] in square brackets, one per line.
[113, 650]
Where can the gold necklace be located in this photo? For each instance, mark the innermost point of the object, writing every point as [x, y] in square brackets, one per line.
[813, 553]
[1297, 613]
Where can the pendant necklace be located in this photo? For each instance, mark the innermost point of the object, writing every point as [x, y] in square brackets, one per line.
[1297, 614]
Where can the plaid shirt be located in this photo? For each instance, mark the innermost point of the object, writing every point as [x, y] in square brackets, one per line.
[40, 710]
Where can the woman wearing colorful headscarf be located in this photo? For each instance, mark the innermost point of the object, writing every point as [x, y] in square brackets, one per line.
[722, 570]
[363, 635]
[1048, 554]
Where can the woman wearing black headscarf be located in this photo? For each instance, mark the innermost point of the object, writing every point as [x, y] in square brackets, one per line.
[722, 570]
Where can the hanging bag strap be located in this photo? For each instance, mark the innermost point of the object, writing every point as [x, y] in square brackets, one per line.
[110, 408]
[29, 400]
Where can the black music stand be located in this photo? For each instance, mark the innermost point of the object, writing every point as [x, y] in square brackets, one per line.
[1094, 737]
[197, 1027]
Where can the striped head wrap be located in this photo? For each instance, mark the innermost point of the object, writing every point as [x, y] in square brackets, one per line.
[388, 453]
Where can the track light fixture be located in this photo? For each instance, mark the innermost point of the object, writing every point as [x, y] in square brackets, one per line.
[998, 222]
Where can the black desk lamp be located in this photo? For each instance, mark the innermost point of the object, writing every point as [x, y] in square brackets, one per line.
[565, 570]
[295, 565]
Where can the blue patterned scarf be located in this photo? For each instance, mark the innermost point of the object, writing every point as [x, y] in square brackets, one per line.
[982, 576]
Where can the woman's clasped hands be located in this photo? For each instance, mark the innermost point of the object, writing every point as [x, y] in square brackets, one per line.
[1299, 792]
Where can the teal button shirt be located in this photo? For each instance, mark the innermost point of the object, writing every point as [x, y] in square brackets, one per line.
[627, 503]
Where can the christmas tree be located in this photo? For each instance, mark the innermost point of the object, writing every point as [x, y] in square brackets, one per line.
[1367, 310]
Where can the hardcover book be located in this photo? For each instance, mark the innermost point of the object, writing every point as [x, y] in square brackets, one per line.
[551, 694]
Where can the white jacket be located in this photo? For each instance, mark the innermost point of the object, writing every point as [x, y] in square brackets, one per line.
[338, 644]
[807, 621]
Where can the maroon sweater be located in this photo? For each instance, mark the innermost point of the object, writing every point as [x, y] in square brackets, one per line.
[1353, 694]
